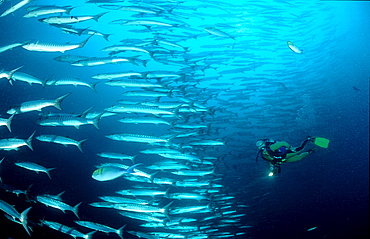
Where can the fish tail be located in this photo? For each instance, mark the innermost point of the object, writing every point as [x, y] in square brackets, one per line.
[69, 9]
[167, 193]
[120, 231]
[96, 120]
[59, 100]
[105, 36]
[23, 220]
[152, 176]
[79, 145]
[92, 86]
[166, 210]
[28, 141]
[8, 122]
[97, 16]
[47, 172]
[82, 44]
[75, 210]
[133, 158]
[89, 235]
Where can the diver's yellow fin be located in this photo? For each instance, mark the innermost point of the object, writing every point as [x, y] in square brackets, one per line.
[321, 142]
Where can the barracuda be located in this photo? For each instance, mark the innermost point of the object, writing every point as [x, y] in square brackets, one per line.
[67, 230]
[143, 192]
[207, 143]
[196, 173]
[142, 208]
[144, 120]
[15, 144]
[132, 83]
[116, 156]
[68, 120]
[188, 157]
[196, 184]
[15, 7]
[160, 151]
[146, 94]
[58, 204]
[61, 140]
[137, 138]
[46, 10]
[142, 22]
[118, 48]
[71, 81]
[190, 196]
[117, 199]
[34, 167]
[37, 105]
[138, 109]
[141, 216]
[191, 209]
[97, 61]
[21, 217]
[54, 47]
[68, 20]
[108, 76]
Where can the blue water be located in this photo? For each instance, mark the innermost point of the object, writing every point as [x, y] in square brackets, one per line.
[244, 85]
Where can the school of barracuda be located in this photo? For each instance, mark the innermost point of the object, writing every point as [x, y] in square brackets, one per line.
[181, 194]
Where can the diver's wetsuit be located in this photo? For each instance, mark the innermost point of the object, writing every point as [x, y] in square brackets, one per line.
[278, 152]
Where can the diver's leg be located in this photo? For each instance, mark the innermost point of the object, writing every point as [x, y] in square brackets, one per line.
[302, 145]
[296, 158]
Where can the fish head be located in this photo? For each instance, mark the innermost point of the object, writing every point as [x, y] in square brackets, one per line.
[97, 174]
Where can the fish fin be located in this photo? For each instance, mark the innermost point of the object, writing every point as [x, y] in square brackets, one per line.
[28, 141]
[75, 210]
[80, 144]
[47, 172]
[82, 44]
[120, 231]
[97, 16]
[59, 100]
[89, 235]
[96, 120]
[8, 122]
[166, 210]
[23, 220]
[92, 86]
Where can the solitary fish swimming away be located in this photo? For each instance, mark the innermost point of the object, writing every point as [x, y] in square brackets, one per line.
[107, 173]
[294, 48]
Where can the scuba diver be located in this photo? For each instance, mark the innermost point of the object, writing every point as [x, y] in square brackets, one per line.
[278, 152]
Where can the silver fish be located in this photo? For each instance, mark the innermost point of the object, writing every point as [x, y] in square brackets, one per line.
[61, 140]
[37, 105]
[15, 143]
[54, 47]
[34, 167]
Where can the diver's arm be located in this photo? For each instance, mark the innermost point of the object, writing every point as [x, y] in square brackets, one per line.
[277, 145]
